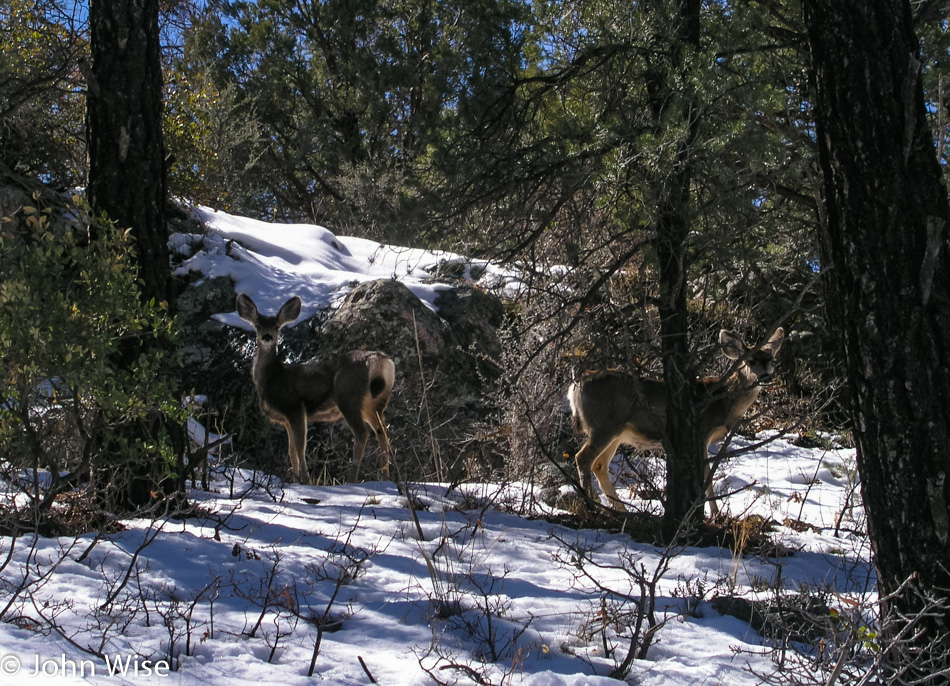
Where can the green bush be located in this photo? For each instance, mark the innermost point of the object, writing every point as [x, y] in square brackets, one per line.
[88, 373]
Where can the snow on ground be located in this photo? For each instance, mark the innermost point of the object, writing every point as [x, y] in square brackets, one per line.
[236, 594]
[271, 576]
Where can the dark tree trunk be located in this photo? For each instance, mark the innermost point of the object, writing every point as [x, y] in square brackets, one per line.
[124, 117]
[682, 444]
[684, 447]
[886, 244]
[127, 183]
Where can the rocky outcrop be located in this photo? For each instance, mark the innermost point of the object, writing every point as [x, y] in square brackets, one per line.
[446, 366]
[454, 353]
[385, 315]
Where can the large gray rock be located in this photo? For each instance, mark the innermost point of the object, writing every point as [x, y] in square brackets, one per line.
[457, 349]
[474, 318]
[385, 315]
[446, 365]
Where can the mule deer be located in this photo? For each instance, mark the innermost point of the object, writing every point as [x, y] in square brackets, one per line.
[354, 387]
[615, 408]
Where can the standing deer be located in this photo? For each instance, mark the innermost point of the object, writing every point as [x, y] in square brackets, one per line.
[355, 387]
[615, 408]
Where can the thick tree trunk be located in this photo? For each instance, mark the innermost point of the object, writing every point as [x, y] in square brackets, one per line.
[886, 242]
[682, 444]
[127, 183]
[684, 448]
[124, 117]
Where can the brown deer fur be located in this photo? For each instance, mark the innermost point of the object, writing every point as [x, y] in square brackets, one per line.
[355, 386]
[615, 408]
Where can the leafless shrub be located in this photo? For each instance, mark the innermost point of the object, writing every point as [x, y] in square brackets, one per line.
[860, 641]
[477, 635]
[342, 566]
[631, 615]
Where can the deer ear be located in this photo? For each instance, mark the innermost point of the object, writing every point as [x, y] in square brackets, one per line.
[289, 311]
[247, 309]
[775, 342]
[732, 345]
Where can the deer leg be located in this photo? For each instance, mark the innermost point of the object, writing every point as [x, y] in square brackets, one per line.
[297, 445]
[711, 493]
[585, 459]
[355, 418]
[291, 449]
[594, 459]
[360, 436]
[601, 468]
[378, 424]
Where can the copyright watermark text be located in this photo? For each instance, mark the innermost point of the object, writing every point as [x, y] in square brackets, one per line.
[122, 666]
